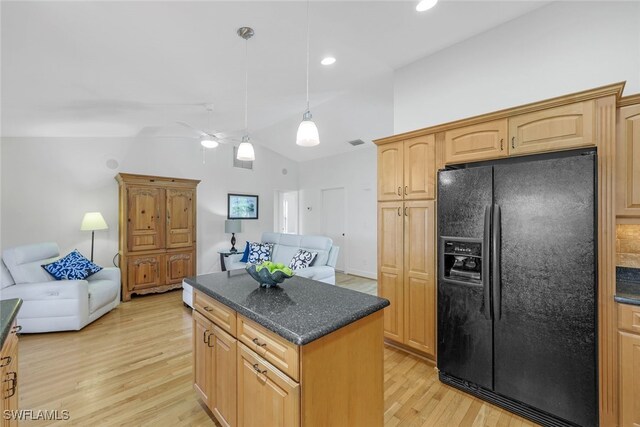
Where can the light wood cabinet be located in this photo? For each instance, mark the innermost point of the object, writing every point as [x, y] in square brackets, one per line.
[254, 377]
[561, 128]
[214, 368]
[9, 378]
[266, 397]
[405, 169]
[391, 267]
[476, 142]
[419, 276]
[629, 354]
[628, 161]
[157, 226]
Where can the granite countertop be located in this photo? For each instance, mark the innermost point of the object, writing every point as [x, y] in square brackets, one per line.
[628, 285]
[8, 312]
[300, 310]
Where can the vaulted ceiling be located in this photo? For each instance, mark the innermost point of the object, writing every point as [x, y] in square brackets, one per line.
[122, 69]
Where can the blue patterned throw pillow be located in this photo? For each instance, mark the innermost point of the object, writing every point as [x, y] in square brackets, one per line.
[302, 259]
[259, 252]
[72, 267]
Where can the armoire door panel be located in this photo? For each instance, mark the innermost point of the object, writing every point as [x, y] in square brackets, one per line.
[145, 271]
[419, 167]
[179, 218]
[144, 218]
[179, 266]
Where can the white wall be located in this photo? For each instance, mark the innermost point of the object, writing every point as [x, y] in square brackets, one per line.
[558, 49]
[356, 172]
[49, 183]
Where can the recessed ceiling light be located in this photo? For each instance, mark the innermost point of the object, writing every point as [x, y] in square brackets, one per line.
[328, 60]
[426, 5]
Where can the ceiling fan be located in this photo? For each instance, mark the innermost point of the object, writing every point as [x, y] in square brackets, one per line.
[210, 140]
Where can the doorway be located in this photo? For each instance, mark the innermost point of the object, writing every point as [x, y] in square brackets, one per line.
[286, 212]
[334, 221]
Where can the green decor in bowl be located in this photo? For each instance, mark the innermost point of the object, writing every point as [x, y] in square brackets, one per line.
[269, 274]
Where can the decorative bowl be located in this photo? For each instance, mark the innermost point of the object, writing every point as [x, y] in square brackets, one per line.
[265, 278]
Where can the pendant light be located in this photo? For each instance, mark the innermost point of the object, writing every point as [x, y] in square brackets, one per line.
[307, 131]
[245, 149]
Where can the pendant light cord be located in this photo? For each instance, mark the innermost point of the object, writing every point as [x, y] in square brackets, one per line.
[308, 1]
[246, 87]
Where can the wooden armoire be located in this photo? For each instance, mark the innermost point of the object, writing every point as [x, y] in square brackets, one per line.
[157, 226]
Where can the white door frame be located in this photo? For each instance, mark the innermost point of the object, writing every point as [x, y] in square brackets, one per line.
[344, 247]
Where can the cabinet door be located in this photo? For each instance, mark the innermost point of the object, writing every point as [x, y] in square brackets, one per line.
[390, 267]
[476, 142]
[629, 380]
[179, 266]
[390, 171]
[419, 280]
[419, 168]
[145, 226]
[266, 396]
[628, 162]
[9, 378]
[560, 128]
[202, 357]
[145, 271]
[180, 212]
[223, 390]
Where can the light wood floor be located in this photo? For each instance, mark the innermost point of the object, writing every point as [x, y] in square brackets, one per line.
[357, 283]
[133, 367]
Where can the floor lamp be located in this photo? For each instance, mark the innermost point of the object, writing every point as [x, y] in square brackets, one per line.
[93, 221]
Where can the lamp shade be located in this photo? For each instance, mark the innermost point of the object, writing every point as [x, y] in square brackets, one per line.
[307, 132]
[232, 226]
[245, 152]
[93, 221]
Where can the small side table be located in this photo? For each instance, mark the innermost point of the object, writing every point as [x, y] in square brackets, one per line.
[223, 255]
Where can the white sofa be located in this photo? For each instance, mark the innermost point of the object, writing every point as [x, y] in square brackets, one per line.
[285, 247]
[54, 305]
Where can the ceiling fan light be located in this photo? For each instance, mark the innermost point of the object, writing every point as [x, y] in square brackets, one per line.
[426, 5]
[245, 152]
[307, 132]
[208, 142]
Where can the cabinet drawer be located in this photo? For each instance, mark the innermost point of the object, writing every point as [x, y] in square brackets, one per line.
[217, 312]
[275, 349]
[629, 317]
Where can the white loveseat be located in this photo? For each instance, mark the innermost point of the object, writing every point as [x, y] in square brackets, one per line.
[54, 305]
[285, 247]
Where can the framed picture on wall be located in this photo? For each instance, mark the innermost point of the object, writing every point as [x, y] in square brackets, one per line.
[242, 206]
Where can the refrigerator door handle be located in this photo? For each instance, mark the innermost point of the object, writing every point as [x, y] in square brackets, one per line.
[495, 262]
[485, 262]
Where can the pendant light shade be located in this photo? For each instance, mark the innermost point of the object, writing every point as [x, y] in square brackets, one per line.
[307, 132]
[307, 135]
[245, 151]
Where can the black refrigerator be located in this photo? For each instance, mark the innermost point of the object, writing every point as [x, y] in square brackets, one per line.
[517, 285]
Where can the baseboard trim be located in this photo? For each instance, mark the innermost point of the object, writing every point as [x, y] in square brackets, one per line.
[411, 351]
[361, 273]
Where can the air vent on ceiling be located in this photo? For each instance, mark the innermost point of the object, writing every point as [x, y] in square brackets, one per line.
[356, 142]
[243, 164]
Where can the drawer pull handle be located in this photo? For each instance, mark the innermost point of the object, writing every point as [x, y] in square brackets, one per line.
[501, 144]
[406, 190]
[3, 363]
[209, 341]
[14, 383]
[513, 142]
[207, 308]
[16, 329]
[258, 343]
[399, 191]
[256, 367]
[204, 335]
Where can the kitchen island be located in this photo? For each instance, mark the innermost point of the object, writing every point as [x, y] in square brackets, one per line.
[305, 353]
